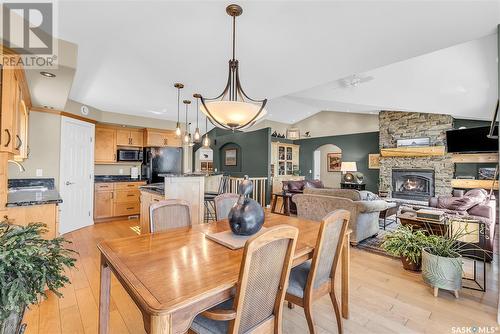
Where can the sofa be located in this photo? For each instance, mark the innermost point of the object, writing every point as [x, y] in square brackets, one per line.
[365, 207]
[297, 187]
[472, 204]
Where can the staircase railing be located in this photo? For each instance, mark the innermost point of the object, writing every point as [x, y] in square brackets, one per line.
[259, 188]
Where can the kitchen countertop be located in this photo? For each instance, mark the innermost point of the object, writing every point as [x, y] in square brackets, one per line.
[26, 192]
[115, 178]
[154, 188]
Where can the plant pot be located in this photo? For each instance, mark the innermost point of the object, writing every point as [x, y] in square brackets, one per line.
[12, 325]
[442, 272]
[411, 266]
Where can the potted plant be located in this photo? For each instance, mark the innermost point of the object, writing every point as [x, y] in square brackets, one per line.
[29, 265]
[406, 243]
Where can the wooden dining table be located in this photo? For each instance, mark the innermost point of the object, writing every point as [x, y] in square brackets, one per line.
[173, 276]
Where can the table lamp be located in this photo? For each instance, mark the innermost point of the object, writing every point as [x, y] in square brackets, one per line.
[347, 167]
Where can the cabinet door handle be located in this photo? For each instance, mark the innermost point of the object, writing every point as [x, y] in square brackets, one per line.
[20, 142]
[132, 208]
[8, 140]
[130, 195]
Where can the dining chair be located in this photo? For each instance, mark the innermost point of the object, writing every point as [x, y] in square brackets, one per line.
[260, 291]
[315, 278]
[168, 214]
[223, 204]
[209, 197]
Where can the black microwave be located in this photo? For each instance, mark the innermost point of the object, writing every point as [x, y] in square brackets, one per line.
[129, 155]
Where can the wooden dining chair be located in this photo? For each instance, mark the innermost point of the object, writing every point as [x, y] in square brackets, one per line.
[315, 278]
[223, 204]
[260, 291]
[169, 213]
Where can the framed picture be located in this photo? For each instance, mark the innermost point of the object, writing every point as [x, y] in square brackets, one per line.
[230, 157]
[425, 141]
[334, 160]
[486, 173]
[374, 161]
[293, 133]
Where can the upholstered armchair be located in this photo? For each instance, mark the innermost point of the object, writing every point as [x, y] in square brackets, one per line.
[364, 206]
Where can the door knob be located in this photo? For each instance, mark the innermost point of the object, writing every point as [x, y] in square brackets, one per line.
[69, 183]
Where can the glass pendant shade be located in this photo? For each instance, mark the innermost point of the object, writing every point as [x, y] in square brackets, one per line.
[186, 137]
[206, 141]
[197, 135]
[178, 130]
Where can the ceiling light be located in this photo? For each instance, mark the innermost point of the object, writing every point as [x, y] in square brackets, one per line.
[179, 86]
[233, 109]
[187, 134]
[197, 136]
[48, 74]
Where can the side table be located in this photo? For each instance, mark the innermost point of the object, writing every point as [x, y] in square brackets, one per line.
[285, 206]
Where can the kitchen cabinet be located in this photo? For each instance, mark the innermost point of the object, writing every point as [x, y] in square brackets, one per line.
[116, 199]
[129, 137]
[22, 132]
[46, 213]
[147, 199]
[161, 138]
[105, 145]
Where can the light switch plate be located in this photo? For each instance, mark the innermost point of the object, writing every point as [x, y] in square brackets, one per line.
[39, 172]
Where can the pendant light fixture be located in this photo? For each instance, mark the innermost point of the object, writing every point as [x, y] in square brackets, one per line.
[187, 135]
[178, 131]
[206, 140]
[233, 109]
[197, 136]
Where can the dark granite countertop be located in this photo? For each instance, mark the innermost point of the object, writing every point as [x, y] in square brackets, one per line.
[25, 192]
[154, 188]
[115, 178]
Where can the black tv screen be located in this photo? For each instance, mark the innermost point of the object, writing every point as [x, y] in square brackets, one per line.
[471, 140]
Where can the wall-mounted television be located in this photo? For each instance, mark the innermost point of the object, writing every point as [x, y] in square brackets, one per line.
[471, 140]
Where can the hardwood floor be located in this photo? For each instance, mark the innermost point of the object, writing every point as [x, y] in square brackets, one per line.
[384, 298]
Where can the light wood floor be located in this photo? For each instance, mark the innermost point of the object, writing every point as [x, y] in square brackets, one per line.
[384, 298]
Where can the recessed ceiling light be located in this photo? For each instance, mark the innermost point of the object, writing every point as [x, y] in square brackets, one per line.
[48, 74]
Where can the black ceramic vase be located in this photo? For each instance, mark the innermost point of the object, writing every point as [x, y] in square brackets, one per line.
[246, 216]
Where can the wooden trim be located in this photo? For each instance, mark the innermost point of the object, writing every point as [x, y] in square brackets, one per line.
[475, 158]
[63, 113]
[425, 151]
[471, 184]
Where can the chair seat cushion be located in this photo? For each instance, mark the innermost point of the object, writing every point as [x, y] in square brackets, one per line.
[298, 279]
[203, 325]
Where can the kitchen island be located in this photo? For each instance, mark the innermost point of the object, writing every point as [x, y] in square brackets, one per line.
[189, 187]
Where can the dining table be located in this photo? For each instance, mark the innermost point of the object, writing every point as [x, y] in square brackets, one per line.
[172, 276]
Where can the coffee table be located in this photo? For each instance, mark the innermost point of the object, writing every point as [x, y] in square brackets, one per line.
[433, 227]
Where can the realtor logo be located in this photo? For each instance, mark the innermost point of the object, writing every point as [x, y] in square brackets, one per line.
[27, 34]
[27, 27]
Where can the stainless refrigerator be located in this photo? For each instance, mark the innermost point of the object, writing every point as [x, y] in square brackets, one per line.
[161, 160]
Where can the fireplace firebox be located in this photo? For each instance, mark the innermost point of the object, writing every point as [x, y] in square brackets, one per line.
[413, 184]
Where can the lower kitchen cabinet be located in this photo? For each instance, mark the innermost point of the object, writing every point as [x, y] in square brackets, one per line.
[147, 199]
[44, 213]
[116, 199]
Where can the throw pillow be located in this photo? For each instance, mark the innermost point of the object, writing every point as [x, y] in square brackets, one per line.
[464, 203]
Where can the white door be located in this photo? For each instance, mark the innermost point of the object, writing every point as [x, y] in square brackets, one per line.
[76, 174]
[317, 165]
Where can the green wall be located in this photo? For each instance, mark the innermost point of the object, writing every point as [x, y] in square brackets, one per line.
[355, 147]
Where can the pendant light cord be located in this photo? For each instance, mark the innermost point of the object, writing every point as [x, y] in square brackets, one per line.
[197, 112]
[234, 37]
[178, 104]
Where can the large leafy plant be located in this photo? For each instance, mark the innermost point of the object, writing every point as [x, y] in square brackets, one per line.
[29, 265]
[406, 242]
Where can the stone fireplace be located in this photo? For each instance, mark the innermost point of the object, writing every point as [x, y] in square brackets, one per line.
[413, 184]
[396, 125]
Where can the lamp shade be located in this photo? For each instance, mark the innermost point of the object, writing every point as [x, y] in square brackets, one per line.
[233, 113]
[348, 166]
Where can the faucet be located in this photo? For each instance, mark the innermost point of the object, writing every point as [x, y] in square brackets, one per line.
[18, 164]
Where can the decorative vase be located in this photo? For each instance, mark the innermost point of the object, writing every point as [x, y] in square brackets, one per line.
[411, 266]
[246, 216]
[13, 324]
[442, 272]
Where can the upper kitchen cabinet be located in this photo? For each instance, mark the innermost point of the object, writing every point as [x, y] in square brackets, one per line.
[105, 144]
[161, 138]
[129, 137]
[14, 112]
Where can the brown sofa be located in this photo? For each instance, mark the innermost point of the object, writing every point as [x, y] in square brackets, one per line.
[297, 187]
[473, 204]
[364, 206]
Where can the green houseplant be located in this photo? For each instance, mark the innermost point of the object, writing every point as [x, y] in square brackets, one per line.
[406, 243]
[29, 265]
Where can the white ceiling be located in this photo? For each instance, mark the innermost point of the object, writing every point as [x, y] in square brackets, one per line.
[131, 53]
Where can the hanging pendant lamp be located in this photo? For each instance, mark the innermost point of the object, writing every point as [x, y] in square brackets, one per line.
[206, 140]
[197, 136]
[178, 131]
[187, 134]
[233, 109]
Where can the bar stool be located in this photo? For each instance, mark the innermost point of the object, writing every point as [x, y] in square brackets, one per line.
[209, 199]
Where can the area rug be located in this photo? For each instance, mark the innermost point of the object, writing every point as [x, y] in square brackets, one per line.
[373, 244]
